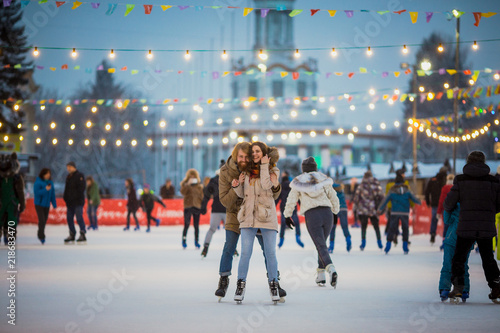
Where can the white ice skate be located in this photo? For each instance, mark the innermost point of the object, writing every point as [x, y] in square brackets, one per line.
[273, 290]
[239, 295]
[321, 277]
[333, 275]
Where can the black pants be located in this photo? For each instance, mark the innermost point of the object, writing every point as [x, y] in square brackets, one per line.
[195, 213]
[364, 224]
[43, 215]
[462, 249]
[149, 216]
[393, 224]
[135, 217]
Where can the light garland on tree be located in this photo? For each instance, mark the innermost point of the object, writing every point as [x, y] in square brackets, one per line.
[415, 125]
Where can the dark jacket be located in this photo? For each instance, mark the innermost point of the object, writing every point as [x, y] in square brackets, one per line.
[285, 190]
[433, 189]
[400, 197]
[167, 193]
[132, 202]
[74, 191]
[340, 195]
[212, 190]
[43, 197]
[148, 200]
[479, 196]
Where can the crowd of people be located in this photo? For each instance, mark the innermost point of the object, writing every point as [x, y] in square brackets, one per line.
[248, 187]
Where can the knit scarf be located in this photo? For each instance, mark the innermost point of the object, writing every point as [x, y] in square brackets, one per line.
[254, 172]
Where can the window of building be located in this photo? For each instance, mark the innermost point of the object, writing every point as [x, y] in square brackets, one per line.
[234, 88]
[277, 88]
[252, 88]
[301, 89]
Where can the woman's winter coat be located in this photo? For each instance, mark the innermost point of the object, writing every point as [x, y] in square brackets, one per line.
[132, 202]
[93, 195]
[368, 195]
[193, 193]
[313, 189]
[258, 209]
[43, 197]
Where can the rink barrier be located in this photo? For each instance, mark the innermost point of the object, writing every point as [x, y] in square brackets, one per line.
[114, 212]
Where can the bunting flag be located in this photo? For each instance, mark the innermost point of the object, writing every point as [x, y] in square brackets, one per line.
[284, 74]
[76, 4]
[488, 14]
[182, 7]
[264, 12]
[477, 17]
[332, 13]
[295, 12]
[164, 8]
[295, 75]
[24, 3]
[148, 9]
[247, 11]
[314, 11]
[414, 17]
[400, 11]
[6, 3]
[60, 3]
[129, 9]
[95, 5]
[428, 16]
[111, 8]
[349, 13]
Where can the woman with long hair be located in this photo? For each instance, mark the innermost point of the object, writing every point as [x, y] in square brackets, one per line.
[192, 190]
[44, 196]
[132, 204]
[258, 213]
[93, 201]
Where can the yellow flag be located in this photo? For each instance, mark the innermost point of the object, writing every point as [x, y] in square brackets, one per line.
[166, 101]
[396, 74]
[252, 98]
[59, 102]
[111, 70]
[451, 71]
[339, 73]
[332, 12]
[403, 97]
[475, 76]
[209, 101]
[100, 101]
[76, 4]
[414, 17]
[126, 103]
[489, 14]
[225, 73]
[283, 74]
[247, 11]
[385, 97]
[362, 70]
[165, 7]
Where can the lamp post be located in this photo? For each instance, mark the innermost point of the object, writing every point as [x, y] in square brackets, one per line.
[457, 14]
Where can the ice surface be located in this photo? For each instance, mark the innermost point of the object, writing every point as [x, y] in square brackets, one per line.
[172, 290]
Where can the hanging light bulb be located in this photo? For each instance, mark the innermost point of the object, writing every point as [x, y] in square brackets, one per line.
[440, 47]
[297, 53]
[446, 85]
[421, 89]
[35, 52]
[369, 51]
[471, 82]
[74, 54]
[112, 54]
[405, 49]
[496, 76]
[150, 55]
[187, 56]
[262, 55]
[224, 55]
[94, 109]
[333, 53]
[475, 46]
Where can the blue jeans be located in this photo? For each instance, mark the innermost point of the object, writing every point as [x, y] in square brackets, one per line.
[295, 219]
[445, 276]
[342, 216]
[70, 215]
[92, 214]
[434, 221]
[394, 226]
[226, 261]
[269, 238]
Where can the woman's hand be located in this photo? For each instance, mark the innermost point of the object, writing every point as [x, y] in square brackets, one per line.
[242, 178]
[235, 183]
[274, 180]
[264, 159]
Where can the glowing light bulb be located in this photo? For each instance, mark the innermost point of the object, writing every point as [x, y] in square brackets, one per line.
[383, 126]
[371, 106]
[118, 143]
[446, 85]
[94, 109]
[54, 141]
[68, 109]
[74, 54]
[333, 53]
[331, 109]
[369, 128]
[341, 131]
[150, 55]
[88, 124]
[396, 92]
[133, 143]
[371, 91]
[35, 52]
[237, 120]
[276, 116]
[272, 103]
[219, 121]
[471, 82]
[112, 54]
[195, 142]
[72, 127]
[254, 117]
[369, 51]
[496, 76]
[182, 123]
[327, 132]
[405, 49]
[221, 105]
[440, 47]
[224, 55]
[149, 142]
[70, 142]
[262, 55]
[421, 89]
[35, 128]
[170, 108]
[297, 53]
[396, 123]
[475, 46]
[16, 107]
[103, 142]
[293, 114]
[163, 123]
[126, 126]
[355, 129]
[225, 140]
[312, 134]
[52, 125]
[164, 142]
[314, 112]
[199, 122]
[187, 56]
[107, 127]
[145, 108]
[42, 107]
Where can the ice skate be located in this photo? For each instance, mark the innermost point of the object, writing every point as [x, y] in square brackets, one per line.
[280, 244]
[333, 275]
[387, 247]
[240, 291]
[69, 240]
[455, 295]
[379, 243]
[443, 294]
[321, 277]
[282, 293]
[197, 245]
[137, 228]
[299, 241]
[82, 239]
[273, 290]
[348, 243]
[184, 245]
[126, 229]
[157, 222]
[363, 244]
[222, 287]
[205, 251]
[405, 248]
[148, 230]
[433, 239]
[495, 295]
[331, 247]
[42, 241]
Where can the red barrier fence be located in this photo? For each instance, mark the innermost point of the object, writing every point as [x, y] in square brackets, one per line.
[114, 212]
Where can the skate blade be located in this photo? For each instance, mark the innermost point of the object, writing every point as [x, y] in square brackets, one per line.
[238, 302]
[496, 300]
[219, 300]
[282, 300]
[321, 283]
[68, 243]
[275, 302]
[456, 300]
[82, 243]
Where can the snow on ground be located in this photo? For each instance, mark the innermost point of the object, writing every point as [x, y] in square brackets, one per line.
[137, 282]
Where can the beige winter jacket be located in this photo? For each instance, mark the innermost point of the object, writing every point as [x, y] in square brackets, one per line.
[258, 209]
[313, 189]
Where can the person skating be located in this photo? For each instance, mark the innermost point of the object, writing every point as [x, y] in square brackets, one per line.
[479, 196]
[366, 199]
[449, 245]
[400, 198]
[258, 213]
[192, 191]
[74, 196]
[218, 213]
[318, 202]
[440, 210]
[147, 203]
[132, 204]
[285, 190]
[235, 164]
[44, 197]
[353, 186]
[432, 193]
[93, 202]
[388, 186]
[167, 191]
[342, 216]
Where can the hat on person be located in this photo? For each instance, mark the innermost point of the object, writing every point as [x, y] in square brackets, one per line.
[71, 164]
[368, 174]
[309, 165]
[147, 186]
[443, 169]
[399, 179]
[221, 164]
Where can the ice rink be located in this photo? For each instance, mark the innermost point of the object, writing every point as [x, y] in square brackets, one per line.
[138, 282]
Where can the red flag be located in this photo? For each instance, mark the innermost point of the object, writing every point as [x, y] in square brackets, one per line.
[350, 75]
[467, 72]
[400, 11]
[147, 9]
[65, 66]
[176, 100]
[295, 75]
[124, 68]
[439, 95]
[237, 73]
[408, 71]
[314, 11]
[60, 3]
[477, 17]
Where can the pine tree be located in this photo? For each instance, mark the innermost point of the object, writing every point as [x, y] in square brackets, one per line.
[13, 81]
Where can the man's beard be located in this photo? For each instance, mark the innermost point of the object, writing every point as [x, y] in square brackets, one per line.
[242, 165]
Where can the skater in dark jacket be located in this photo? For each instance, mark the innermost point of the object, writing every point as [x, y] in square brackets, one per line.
[167, 191]
[400, 198]
[342, 216]
[285, 190]
[93, 201]
[132, 204]
[147, 203]
[432, 193]
[218, 213]
[44, 196]
[479, 196]
[74, 196]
